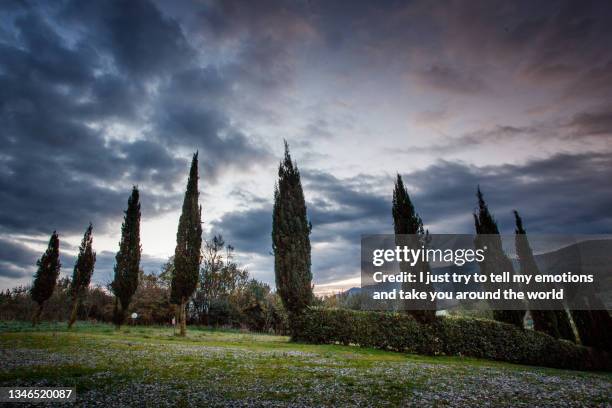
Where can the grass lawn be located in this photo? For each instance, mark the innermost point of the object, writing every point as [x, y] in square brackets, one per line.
[148, 366]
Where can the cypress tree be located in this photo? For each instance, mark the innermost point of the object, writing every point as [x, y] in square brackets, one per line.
[187, 255]
[81, 275]
[407, 222]
[564, 325]
[496, 261]
[46, 276]
[291, 241]
[127, 261]
[595, 325]
[543, 320]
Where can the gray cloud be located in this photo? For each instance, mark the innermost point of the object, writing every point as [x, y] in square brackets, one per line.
[16, 259]
[493, 135]
[592, 124]
[248, 230]
[449, 79]
[105, 262]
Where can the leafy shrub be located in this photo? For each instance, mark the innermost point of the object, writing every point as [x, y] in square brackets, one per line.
[222, 312]
[453, 336]
[17, 304]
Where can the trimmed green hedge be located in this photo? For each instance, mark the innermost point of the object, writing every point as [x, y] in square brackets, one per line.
[451, 336]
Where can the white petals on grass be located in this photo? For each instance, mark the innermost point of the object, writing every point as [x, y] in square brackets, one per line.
[228, 370]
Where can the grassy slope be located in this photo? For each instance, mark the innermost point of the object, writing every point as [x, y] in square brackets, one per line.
[138, 366]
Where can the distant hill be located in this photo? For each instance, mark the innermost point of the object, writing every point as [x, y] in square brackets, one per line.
[594, 256]
[352, 291]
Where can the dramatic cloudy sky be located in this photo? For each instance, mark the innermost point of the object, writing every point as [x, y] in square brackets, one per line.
[96, 96]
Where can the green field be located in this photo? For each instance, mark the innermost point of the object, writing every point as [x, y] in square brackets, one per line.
[149, 366]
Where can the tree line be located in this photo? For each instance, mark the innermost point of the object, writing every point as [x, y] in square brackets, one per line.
[291, 230]
[291, 244]
[589, 327]
[200, 285]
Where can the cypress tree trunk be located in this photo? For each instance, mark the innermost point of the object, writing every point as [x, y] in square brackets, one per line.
[118, 317]
[183, 320]
[116, 320]
[73, 313]
[37, 314]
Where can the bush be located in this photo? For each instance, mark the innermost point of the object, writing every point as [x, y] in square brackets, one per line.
[451, 336]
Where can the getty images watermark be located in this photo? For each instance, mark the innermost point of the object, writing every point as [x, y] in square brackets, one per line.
[503, 272]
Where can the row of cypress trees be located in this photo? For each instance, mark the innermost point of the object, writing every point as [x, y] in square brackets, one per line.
[593, 326]
[187, 254]
[127, 261]
[48, 271]
[292, 258]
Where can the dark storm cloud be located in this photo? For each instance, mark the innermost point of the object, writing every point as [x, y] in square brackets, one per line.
[140, 39]
[52, 158]
[189, 112]
[75, 76]
[561, 194]
[70, 93]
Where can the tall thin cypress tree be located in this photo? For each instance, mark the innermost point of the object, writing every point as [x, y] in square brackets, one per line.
[81, 275]
[564, 325]
[543, 320]
[291, 241]
[407, 222]
[127, 264]
[496, 261]
[187, 255]
[46, 276]
[594, 325]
